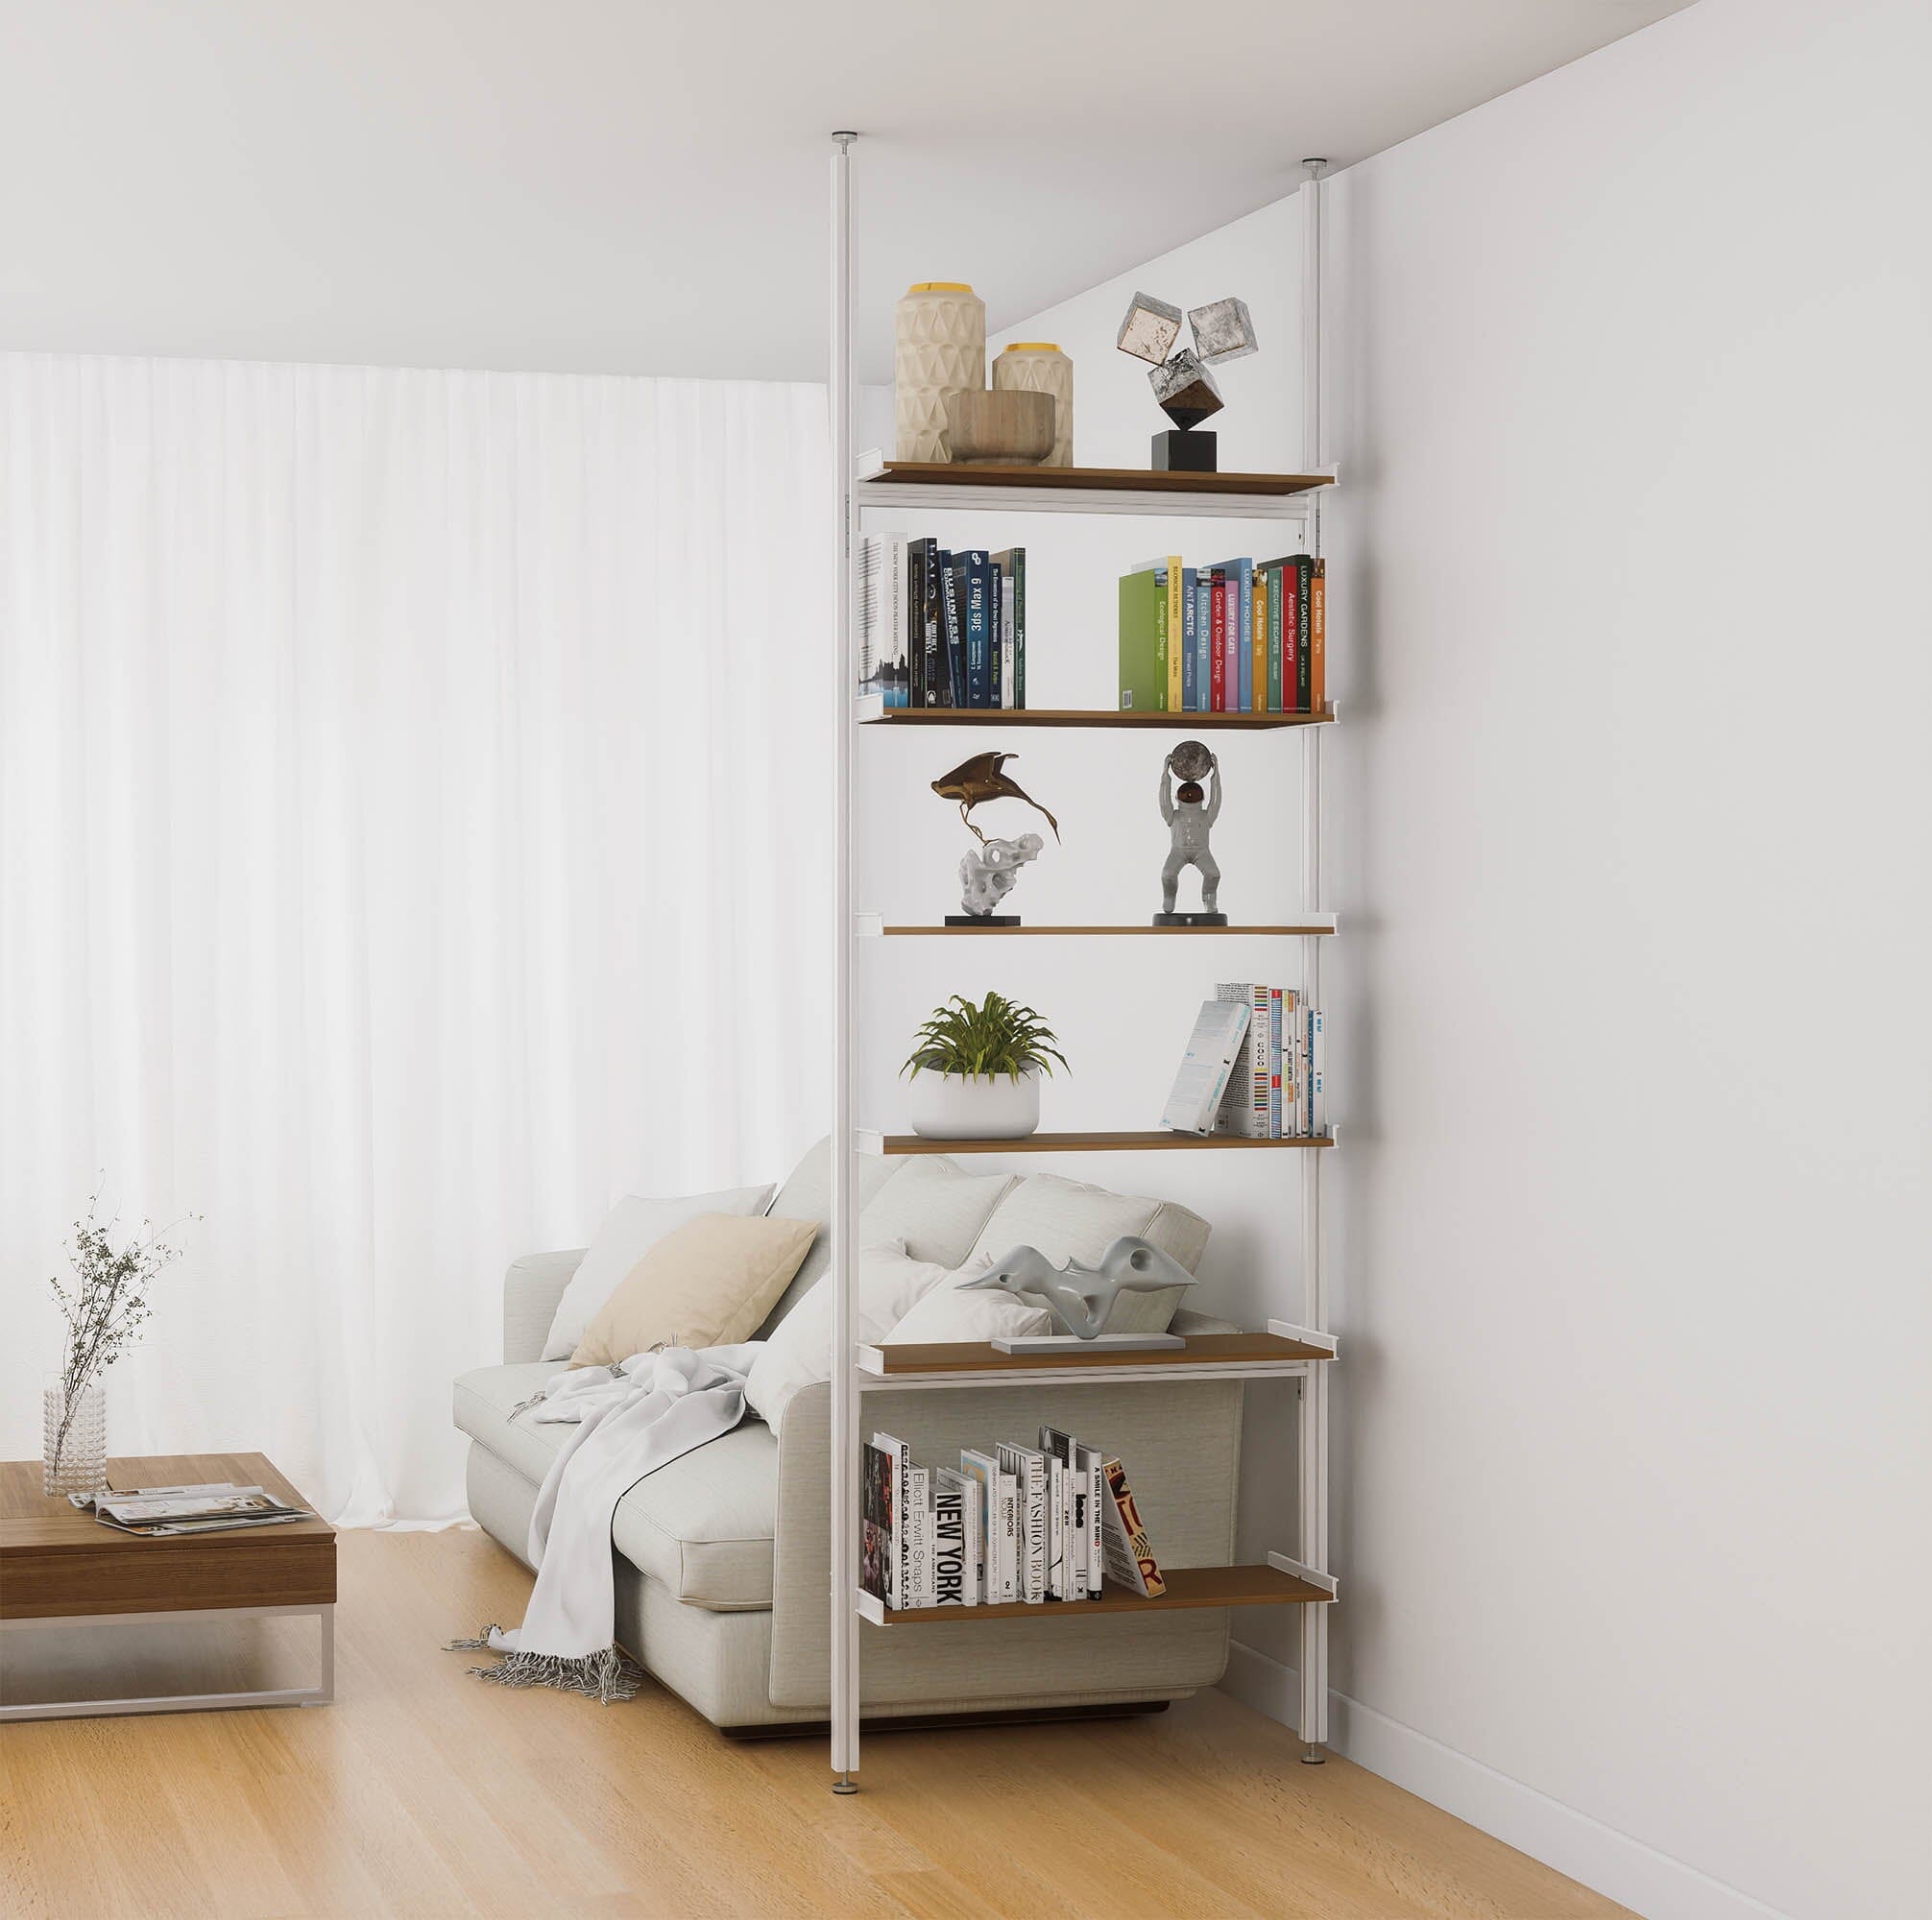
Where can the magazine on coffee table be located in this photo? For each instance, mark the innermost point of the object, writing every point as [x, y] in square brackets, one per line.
[212, 1508]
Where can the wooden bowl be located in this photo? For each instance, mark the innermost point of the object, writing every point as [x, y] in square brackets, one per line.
[1000, 426]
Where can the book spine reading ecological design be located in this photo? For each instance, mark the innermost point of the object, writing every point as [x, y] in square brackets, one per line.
[1131, 1554]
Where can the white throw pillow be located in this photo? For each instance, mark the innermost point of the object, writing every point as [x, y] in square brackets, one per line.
[947, 1313]
[799, 1351]
[633, 1227]
[934, 1208]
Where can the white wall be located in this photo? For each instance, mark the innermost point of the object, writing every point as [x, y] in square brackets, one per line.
[1627, 384]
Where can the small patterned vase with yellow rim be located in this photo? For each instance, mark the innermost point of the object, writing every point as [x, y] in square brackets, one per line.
[1039, 366]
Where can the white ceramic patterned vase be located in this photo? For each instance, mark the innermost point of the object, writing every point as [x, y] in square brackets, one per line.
[1039, 366]
[939, 347]
[74, 1441]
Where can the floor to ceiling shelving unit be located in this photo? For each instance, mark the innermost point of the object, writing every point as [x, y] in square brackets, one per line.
[1299, 1351]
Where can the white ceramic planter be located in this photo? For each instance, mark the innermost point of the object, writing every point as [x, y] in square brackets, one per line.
[950, 1106]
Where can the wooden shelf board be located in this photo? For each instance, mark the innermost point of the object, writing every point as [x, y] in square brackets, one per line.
[984, 932]
[1091, 479]
[1088, 1142]
[1186, 1587]
[872, 716]
[978, 1357]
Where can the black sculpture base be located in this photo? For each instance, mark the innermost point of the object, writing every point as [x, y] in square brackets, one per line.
[1185, 450]
[982, 920]
[1189, 919]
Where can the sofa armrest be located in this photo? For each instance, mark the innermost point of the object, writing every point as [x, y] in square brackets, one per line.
[532, 1287]
[1180, 1441]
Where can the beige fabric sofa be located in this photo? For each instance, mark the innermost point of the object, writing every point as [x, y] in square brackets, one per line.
[723, 1582]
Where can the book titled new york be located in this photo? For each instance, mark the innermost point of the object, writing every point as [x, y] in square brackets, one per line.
[955, 1556]
[1204, 1074]
[1130, 1552]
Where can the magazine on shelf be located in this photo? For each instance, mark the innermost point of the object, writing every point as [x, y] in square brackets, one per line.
[1205, 1067]
[877, 1543]
[1131, 1554]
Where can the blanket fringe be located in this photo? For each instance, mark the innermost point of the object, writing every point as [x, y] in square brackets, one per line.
[607, 1677]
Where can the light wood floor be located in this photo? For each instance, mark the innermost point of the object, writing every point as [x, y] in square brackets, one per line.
[425, 1792]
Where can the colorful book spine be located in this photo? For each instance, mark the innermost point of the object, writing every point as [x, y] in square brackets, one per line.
[1019, 627]
[1274, 1021]
[1237, 1112]
[1203, 640]
[1277, 626]
[1290, 630]
[876, 1544]
[996, 620]
[1190, 612]
[1174, 628]
[1217, 640]
[1259, 668]
[1304, 630]
[1318, 639]
[1240, 671]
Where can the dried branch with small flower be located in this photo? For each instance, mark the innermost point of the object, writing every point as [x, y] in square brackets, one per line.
[105, 1305]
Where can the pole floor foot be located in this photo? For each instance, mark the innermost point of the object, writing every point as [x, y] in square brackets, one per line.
[845, 1783]
[1313, 1757]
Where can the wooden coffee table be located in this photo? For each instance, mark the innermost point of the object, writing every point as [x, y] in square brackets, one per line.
[62, 1568]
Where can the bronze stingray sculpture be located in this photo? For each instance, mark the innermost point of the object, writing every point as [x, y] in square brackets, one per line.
[974, 782]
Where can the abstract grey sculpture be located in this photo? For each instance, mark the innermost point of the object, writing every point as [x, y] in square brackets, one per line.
[987, 874]
[1081, 1298]
[1190, 814]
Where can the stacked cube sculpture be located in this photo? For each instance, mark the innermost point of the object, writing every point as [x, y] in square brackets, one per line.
[1183, 387]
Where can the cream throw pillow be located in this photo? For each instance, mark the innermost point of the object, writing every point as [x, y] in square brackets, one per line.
[707, 1283]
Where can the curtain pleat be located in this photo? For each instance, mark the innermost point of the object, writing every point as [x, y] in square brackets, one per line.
[410, 840]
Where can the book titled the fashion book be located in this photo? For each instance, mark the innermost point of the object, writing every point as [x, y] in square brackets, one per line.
[1130, 1552]
[1204, 1074]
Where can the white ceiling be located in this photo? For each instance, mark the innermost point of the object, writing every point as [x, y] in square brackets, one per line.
[583, 185]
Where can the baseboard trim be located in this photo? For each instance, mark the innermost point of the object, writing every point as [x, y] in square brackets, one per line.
[1613, 1863]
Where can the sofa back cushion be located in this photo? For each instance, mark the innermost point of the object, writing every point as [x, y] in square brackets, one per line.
[806, 1195]
[1069, 1220]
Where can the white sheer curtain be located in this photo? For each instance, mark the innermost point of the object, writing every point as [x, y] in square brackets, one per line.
[411, 835]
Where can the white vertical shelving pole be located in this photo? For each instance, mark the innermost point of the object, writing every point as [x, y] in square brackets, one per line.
[843, 1466]
[1313, 1436]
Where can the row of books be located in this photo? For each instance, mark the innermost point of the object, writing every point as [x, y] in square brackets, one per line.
[1240, 637]
[1255, 1066]
[1012, 1523]
[941, 629]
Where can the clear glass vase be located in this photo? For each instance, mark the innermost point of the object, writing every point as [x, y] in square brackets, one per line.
[74, 1438]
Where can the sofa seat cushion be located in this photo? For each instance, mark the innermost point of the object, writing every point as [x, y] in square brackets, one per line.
[703, 1526]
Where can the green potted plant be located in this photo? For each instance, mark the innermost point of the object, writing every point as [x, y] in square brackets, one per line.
[976, 1070]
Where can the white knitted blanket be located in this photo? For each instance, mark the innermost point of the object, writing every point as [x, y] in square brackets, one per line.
[630, 1421]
